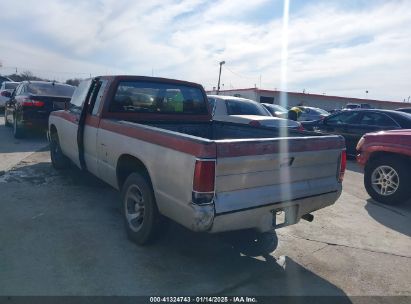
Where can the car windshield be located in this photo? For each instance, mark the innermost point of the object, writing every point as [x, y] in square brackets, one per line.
[276, 108]
[245, 107]
[50, 88]
[10, 85]
[352, 106]
[321, 111]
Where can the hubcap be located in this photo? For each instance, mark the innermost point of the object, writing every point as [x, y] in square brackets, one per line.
[385, 180]
[134, 207]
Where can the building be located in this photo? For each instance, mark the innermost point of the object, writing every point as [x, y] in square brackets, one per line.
[325, 102]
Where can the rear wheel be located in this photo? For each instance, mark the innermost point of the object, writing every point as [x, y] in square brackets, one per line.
[18, 131]
[58, 159]
[386, 178]
[140, 213]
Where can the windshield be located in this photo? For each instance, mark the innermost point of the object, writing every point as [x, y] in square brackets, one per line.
[51, 89]
[275, 108]
[352, 106]
[245, 107]
[321, 111]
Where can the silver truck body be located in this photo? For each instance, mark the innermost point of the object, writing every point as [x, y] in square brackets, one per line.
[257, 173]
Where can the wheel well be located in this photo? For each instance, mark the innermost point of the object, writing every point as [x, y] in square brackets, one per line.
[383, 154]
[53, 129]
[128, 164]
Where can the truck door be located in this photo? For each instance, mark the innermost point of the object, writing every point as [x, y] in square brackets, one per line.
[91, 124]
[69, 127]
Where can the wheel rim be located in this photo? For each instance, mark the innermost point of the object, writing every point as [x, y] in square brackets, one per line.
[385, 180]
[134, 207]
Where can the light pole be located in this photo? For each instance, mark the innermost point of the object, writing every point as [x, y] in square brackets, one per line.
[219, 77]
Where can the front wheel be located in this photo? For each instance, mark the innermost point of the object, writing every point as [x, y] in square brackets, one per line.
[141, 216]
[386, 178]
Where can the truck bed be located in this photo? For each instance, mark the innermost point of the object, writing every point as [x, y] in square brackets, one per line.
[255, 167]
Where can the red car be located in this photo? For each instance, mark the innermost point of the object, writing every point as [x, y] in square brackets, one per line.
[386, 157]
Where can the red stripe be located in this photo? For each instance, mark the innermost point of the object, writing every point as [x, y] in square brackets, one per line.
[66, 116]
[186, 145]
[246, 148]
[92, 121]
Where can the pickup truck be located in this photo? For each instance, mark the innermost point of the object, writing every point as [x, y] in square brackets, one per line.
[153, 139]
[386, 157]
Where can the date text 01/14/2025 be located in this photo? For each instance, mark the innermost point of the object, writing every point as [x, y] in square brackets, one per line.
[203, 299]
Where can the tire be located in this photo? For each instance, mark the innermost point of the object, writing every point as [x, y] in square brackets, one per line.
[6, 123]
[18, 132]
[386, 179]
[58, 159]
[141, 217]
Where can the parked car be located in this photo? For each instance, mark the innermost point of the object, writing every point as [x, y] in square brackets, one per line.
[311, 113]
[405, 110]
[169, 159]
[3, 79]
[31, 103]
[246, 111]
[386, 157]
[276, 110]
[355, 123]
[353, 106]
[6, 89]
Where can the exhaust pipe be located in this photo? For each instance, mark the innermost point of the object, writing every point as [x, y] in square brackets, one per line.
[308, 217]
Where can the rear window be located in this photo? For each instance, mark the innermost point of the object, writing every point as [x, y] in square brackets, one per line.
[10, 85]
[153, 97]
[245, 107]
[51, 89]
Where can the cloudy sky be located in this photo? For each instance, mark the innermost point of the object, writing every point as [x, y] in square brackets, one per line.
[335, 47]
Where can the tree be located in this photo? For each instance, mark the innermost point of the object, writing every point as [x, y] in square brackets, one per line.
[73, 82]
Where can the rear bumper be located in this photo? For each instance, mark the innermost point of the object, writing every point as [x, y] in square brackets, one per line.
[261, 218]
[36, 120]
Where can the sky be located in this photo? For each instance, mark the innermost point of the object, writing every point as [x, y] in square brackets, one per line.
[342, 48]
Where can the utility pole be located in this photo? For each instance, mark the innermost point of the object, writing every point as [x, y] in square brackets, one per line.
[219, 77]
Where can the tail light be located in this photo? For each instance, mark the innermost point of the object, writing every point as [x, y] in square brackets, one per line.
[254, 123]
[33, 103]
[343, 166]
[203, 181]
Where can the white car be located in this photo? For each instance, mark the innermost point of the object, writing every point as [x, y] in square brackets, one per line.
[6, 88]
[246, 111]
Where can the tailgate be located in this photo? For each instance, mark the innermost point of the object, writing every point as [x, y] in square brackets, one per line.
[252, 173]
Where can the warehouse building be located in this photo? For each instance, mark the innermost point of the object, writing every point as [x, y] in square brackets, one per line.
[325, 102]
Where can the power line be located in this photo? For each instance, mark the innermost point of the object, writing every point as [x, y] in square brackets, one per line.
[239, 75]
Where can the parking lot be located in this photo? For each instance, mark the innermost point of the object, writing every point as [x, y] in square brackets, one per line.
[62, 234]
